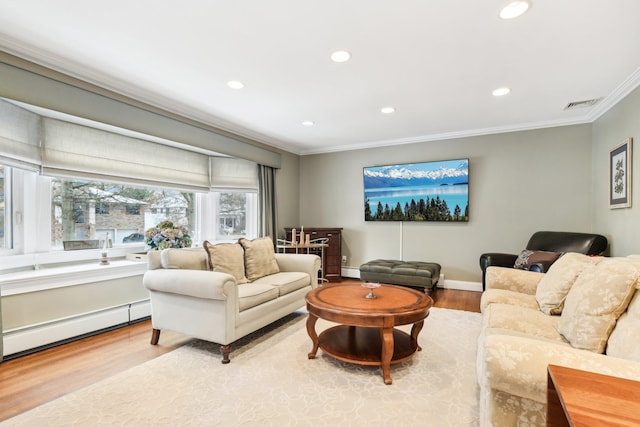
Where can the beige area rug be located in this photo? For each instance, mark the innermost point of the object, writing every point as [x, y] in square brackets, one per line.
[271, 382]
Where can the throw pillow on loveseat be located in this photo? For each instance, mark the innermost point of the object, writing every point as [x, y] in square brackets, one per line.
[226, 258]
[259, 258]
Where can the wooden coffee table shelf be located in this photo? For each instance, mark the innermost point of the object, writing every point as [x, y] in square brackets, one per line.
[366, 334]
[363, 345]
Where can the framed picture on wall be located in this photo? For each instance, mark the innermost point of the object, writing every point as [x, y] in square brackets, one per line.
[620, 175]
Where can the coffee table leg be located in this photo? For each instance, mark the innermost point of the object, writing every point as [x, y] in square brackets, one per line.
[387, 353]
[311, 330]
[415, 330]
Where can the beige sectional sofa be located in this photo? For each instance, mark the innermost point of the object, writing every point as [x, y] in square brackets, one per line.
[584, 313]
[224, 292]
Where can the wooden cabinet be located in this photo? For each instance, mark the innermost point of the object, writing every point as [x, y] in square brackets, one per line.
[332, 260]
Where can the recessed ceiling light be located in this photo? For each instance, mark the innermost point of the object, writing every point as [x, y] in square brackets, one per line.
[234, 84]
[514, 9]
[308, 123]
[501, 91]
[340, 56]
[387, 110]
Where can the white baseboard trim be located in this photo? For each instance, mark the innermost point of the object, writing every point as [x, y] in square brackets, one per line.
[461, 285]
[31, 337]
[352, 272]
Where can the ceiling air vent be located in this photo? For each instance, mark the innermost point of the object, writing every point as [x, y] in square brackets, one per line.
[582, 104]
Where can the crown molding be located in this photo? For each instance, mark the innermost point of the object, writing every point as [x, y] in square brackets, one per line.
[617, 95]
[95, 77]
[454, 135]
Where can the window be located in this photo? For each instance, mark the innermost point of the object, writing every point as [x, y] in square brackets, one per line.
[102, 208]
[230, 215]
[39, 210]
[5, 208]
[38, 213]
[133, 209]
[88, 209]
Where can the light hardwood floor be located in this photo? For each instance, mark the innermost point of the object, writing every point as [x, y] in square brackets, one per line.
[32, 380]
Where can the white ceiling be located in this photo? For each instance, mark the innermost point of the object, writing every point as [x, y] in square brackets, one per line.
[435, 61]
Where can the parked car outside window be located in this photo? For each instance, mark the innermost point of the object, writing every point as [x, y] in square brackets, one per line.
[133, 237]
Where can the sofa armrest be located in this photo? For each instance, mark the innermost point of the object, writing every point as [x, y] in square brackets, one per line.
[513, 279]
[540, 266]
[518, 365]
[497, 260]
[153, 260]
[195, 283]
[305, 263]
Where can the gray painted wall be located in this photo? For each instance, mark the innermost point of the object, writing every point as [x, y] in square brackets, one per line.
[520, 182]
[621, 226]
[287, 190]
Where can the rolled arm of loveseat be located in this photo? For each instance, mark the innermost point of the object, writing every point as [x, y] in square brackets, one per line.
[513, 279]
[518, 365]
[306, 263]
[195, 283]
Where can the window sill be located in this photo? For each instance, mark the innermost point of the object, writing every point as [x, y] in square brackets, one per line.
[67, 275]
[35, 261]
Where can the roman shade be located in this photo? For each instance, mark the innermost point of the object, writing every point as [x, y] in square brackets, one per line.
[30, 83]
[233, 174]
[73, 150]
[19, 137]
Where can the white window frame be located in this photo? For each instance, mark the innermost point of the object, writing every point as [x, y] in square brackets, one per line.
[9, 216]
[31, 224]
[208, 208]
[31, 212]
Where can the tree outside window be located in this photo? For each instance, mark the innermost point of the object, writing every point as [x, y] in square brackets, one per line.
[86, 210]
[232, 214]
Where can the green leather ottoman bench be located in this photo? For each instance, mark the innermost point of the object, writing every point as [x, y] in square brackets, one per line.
[414, 274]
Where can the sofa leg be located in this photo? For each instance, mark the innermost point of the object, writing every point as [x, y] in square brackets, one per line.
[155, 336]
[226, 350]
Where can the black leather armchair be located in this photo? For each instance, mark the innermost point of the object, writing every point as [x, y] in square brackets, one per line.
[551, 241]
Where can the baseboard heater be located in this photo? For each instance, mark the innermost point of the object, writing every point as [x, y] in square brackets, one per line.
[29, 339]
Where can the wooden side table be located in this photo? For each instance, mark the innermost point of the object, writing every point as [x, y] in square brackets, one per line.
[581, 398]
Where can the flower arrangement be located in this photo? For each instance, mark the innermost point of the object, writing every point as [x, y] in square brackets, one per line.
[166, 235]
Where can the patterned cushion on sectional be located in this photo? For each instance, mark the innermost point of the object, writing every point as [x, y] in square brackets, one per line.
[597, 298]
[504, 296]
[529, 257]
[556, 283]
[526, 321]
[623, 341]
[259, 258]
[227, 258]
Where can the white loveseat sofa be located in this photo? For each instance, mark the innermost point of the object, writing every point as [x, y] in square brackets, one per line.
[224, 292]
[584, 313]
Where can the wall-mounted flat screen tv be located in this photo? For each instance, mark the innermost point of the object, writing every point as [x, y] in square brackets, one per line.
[429, 191]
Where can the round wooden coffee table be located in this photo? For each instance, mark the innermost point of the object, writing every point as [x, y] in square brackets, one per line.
[366, 334]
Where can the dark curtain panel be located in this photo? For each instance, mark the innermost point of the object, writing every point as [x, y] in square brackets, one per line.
[267, 209]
